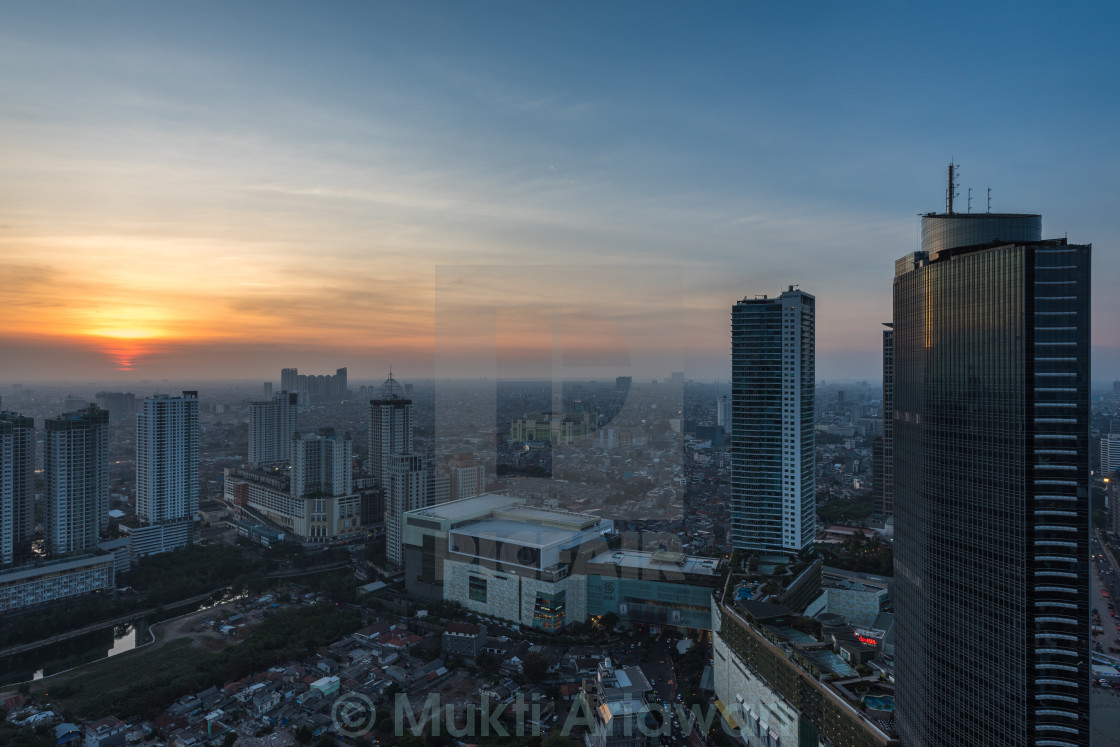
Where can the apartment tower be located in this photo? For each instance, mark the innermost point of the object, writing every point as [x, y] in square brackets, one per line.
[271, 425]
[76, 472]
[773, 485]
[17, 487]
[167, 459]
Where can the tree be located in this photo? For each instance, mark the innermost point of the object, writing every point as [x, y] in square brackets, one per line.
[302, 735]
[229, 739]
[610, 620]
[534, 667]
[488, 662]
[555, 740]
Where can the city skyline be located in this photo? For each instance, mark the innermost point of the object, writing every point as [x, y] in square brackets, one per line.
[211, 192]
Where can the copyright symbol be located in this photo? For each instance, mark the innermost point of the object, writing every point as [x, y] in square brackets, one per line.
[353, 715]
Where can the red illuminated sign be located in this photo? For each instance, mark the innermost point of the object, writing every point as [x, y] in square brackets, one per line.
[868, 641]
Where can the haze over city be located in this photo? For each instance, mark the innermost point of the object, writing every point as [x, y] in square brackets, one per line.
[202, 191]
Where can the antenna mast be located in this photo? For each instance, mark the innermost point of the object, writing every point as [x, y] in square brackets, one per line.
[970, 200]
[989, 199]
[951, 192]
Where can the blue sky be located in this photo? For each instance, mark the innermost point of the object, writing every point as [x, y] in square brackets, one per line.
[236, 187]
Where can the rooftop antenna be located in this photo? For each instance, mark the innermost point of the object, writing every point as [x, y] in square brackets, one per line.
[970, 200]
[951, 192]
[989, 199]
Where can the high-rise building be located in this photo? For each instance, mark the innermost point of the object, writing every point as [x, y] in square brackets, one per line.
[76, 471]
[390, 428]
[773, 485]
[167, 459]
[121, 405]
[271, 425]
[17, 487]
[400, 473]
[884, 484]
[991, 470]
[1110, 453]
[407, 491]
[321, 463]
[288, 378]
[723, 412]
[468, 477]
[268, 390]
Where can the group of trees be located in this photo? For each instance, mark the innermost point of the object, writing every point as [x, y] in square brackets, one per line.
[840, 510]
[287, 635]
[157, 580]
[862, 554]
[193, 570]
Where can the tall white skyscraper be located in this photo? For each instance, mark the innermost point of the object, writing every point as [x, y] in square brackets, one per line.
[271, 425]
[76, 470]
[773, 390]
[17, 486]
[167, 459]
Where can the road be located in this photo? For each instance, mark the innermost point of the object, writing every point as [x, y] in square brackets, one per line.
[1105, 577]
[131, 617]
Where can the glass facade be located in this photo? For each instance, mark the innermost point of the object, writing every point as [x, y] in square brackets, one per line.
[990, 439]
[650, 602]
[951, 231]
[773, 483]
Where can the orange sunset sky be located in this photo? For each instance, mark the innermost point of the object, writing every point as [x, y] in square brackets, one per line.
[206, 190]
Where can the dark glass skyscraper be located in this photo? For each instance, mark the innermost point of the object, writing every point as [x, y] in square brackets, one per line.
[991, 469]
[773, 390]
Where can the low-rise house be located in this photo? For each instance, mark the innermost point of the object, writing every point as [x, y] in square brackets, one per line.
[106, 732]
[463, 639]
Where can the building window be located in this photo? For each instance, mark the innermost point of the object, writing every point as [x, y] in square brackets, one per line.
[476, 589]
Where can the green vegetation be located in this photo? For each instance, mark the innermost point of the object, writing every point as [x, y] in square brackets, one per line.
[534, 667]
[838, 510]
[145, 682]
[862, 554]
[193, 570]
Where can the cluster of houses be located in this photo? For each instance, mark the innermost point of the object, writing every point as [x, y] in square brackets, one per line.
[415, 658]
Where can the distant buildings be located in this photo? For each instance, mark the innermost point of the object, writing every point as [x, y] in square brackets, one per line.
[271, 425]
[76, 472]
[166, 473]
[121, 405]
[315, 388]
[555, 429]
[17, 487]
[991, 469]
[773, 390]
[723, 412]
[468, 477]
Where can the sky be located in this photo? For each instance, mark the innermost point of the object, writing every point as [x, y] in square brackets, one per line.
[219, 190]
